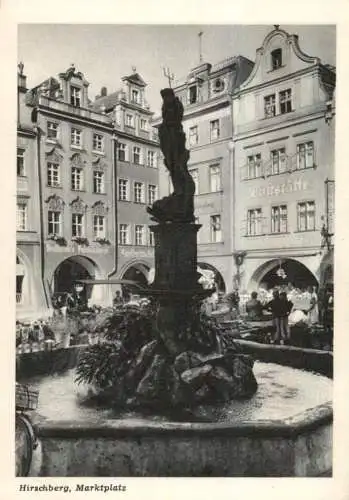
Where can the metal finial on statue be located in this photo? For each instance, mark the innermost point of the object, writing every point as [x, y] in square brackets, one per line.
[276, 26]
[168, 75]
[20, 68]
[134, 69]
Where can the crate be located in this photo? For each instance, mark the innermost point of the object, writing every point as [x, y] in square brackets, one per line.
[26, 398]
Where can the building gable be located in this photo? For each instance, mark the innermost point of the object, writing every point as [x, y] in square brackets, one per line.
[279, 56]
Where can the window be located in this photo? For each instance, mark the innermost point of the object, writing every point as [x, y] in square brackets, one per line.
[138, 190]
[53, 175]
[254, 166]
[77, 178]
[54, 223]
[76, 137]
[279, 219]
[98, 143]
[99, 226]
[21, 217]
[139, 235]
[130, 122]
[75, 96]
[77, 225]
[20, 162]
[193, 136]
[216, 229]
[278, 161]
[52, 131]
[135, 96]
[144, 124]
[214, 130]
[195, 176]
[285, 101]
[151, 194]
[151, 237]
[123, 190]
[215, 178]
[305, 155]
[124, 234]
[193, 94]
[269, 106]
[254, 222]
[151, 159]
[98, 182]
[136, 155]
[306, 216]
[121, 151]
[276, 58]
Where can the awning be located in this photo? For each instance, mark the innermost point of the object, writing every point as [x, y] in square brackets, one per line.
[110, 282]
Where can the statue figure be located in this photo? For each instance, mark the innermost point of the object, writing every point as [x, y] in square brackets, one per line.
[179, 206]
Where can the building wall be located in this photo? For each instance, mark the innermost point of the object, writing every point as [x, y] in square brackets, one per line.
[30, 296]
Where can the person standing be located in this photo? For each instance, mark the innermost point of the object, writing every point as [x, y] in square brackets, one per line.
[313, 311]
[273, 307]
[117, 301]
[284, 311]
[254, 308]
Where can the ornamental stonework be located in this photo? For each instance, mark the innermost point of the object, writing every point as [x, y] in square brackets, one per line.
[99, 208]
[55, 203]
[78, 206]
[77, 160]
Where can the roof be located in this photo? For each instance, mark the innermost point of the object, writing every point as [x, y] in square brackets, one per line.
[108, 102]
[136, 79]
[219, 66]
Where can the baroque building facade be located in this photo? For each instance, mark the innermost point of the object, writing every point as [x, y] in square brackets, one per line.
[72, 159]
[283, 139]
[207, 122]
[137, 160]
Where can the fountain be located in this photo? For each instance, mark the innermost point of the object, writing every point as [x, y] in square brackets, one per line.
[205, 415]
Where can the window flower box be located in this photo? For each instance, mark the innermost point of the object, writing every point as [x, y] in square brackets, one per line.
[102, 241]
[80, 240]
[60, 240]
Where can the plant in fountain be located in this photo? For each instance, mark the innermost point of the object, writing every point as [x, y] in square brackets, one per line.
[178, 359]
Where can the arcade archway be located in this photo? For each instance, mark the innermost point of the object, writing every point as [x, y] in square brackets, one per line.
[279, 272]
[73, 269]
[136, 272]
[218, 278]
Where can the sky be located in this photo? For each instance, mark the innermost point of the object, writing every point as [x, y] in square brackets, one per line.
[106, 53]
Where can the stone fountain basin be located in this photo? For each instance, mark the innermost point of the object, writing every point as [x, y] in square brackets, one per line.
[238, 442]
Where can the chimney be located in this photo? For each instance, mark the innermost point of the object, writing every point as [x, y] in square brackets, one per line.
[104, 92]
[21, 78]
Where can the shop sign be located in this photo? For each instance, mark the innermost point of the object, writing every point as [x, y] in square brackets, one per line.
[279, 189]
[75, 249]
[138, 253]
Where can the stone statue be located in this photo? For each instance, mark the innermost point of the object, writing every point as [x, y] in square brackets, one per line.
[179, 206]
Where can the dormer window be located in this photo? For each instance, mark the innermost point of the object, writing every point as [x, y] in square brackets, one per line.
[276, 58]
[135, 96]
[193, 94]
[218, 85]
[75, 96]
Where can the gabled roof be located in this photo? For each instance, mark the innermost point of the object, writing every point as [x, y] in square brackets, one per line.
[136, 79]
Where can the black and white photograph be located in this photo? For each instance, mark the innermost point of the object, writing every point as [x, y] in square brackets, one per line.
[175, 241]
